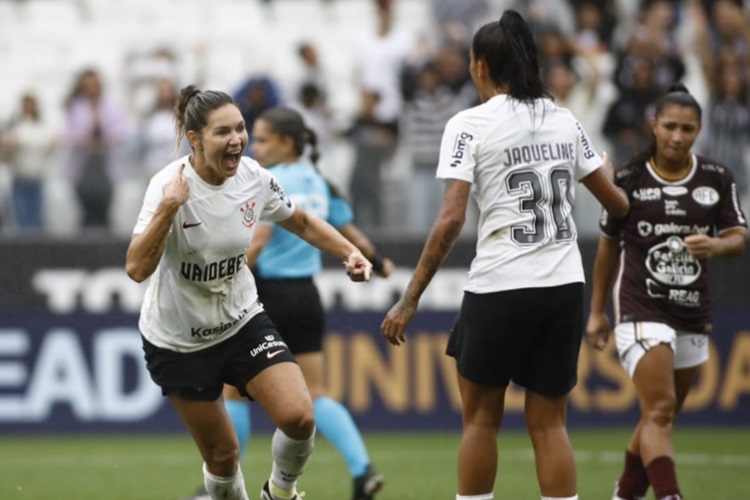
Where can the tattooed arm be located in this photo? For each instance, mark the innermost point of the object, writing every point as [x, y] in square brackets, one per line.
[442, 236]
[145, 249]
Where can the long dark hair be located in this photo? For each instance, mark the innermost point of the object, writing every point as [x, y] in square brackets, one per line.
[679, 95]
[193, 107]
[511, 54]
[287, 122]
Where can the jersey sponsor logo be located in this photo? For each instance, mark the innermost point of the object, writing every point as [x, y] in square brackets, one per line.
[249, 217]
[267, 346]
[680, 229]
[459, 148]
[647, 194]
[672, 207]
[679, 296]
[276, 188]
[645, 228]
[187, 225]
[706, 195]
[213, 270]
[670, 263]
[214, 331]
[588, 151]
[675, 190]
[269, 337]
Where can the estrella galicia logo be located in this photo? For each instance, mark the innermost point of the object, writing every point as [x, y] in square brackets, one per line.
[459, 148]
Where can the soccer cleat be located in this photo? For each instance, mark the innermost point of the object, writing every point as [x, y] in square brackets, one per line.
[615, 497]
[369, 483]
[265, 494]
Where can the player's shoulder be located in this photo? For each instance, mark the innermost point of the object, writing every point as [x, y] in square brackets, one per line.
[711, 168]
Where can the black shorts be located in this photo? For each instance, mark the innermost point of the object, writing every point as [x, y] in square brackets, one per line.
[295, 308]
[201, 375]
[530, 336]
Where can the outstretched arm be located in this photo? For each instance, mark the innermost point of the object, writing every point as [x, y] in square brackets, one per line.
[442, 236]
[605, 265]
[324, 236]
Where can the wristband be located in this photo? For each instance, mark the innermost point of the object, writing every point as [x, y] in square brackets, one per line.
[378, 262]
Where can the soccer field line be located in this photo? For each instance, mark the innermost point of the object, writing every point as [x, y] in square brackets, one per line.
[99, 460]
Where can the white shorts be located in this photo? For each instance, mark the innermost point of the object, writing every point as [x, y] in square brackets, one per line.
[635, 339]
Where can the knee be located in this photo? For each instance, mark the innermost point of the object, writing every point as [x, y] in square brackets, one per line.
[299, 423]
[222, 460]
[662, 411]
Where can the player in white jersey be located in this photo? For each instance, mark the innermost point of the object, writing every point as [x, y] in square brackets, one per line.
[201, 322]
[521, 318]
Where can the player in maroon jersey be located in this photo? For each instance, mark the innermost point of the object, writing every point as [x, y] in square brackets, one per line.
[684, 210]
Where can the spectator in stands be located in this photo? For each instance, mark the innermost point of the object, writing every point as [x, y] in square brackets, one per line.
[522, 310]
[97, 129]
[424, 119]
[626, 123]
[257, 94]
[374, 142]
[27, 146]
[155, 141]
[663, 311]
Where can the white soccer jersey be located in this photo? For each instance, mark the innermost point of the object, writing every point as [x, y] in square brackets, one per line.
[202, 291]
[521, 160]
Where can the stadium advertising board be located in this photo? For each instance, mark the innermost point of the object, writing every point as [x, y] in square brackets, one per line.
[75, 363]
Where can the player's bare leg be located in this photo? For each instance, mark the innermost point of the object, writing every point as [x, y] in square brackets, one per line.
[212, 431]
[281, 391]
[654, 381]
[482, 411]
[555, 464]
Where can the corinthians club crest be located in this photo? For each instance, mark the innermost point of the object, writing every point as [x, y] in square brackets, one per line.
[249, 217]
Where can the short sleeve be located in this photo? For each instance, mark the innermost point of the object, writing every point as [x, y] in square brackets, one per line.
[278, 205]
[587, 159]
[339, 212]
[151, 200]
[458, 151]
[730, 214]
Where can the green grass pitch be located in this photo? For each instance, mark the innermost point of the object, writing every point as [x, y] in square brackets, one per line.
[712, 464]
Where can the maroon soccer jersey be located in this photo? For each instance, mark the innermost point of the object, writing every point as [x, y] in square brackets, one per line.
[658, 280]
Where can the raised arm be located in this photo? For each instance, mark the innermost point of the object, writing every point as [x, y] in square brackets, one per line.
[146, 248]
[322, 235]
[442, 236]
[605, 265]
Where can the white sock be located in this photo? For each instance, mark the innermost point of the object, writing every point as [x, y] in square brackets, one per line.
[229, 488]
[483, 496]
[290, 458]
[574, 497]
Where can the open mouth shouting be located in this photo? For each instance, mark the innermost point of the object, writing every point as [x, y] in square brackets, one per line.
[231, 160]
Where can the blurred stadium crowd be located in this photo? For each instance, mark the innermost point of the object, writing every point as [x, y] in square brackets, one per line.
[88, 88]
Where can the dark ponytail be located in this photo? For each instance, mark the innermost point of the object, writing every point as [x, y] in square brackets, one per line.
[287, 122]
[510, 52]
[193, 107]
